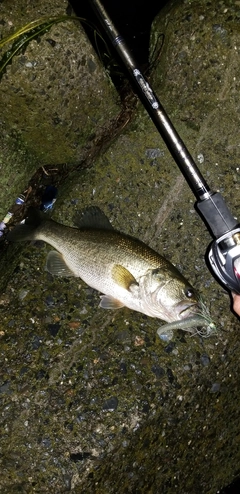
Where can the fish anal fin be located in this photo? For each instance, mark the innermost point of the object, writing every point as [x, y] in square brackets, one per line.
[123, 277]
[56, 265]
[108, 302]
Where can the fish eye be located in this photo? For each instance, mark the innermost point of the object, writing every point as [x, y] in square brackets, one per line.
[189, 292]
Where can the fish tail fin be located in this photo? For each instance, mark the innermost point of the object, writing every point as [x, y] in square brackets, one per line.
[27, 230]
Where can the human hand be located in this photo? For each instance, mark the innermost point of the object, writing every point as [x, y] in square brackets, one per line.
[236, 303]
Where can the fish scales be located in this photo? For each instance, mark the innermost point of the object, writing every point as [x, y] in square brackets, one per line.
[90, 254]
[125, 270]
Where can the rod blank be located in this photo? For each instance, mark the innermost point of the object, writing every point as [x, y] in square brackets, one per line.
[155, 109]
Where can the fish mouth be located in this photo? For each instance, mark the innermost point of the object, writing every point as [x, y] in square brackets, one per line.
[188, 310]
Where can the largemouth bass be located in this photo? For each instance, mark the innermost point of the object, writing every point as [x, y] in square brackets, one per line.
[125, 270]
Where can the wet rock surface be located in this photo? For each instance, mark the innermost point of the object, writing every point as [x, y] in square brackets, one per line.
[93, 400]
[55, 97]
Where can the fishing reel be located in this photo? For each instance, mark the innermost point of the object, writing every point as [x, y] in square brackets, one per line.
[224, 251]
[224, 259]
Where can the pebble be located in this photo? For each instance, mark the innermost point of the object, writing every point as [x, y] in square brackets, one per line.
[154, 153]
[158, 371]
[169, 348]
[215, 388]
[111, 404]
[204, 359]
[53, 329]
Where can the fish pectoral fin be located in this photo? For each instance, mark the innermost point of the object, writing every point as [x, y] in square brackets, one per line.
[56, 265]
[108, 302]
[123, 277]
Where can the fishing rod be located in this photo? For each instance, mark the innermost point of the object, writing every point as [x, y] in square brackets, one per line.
[224, 251]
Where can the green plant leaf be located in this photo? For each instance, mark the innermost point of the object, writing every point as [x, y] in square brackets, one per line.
[25, 34]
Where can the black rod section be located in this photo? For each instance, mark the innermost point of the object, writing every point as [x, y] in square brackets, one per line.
[211, 205]
[156, 111]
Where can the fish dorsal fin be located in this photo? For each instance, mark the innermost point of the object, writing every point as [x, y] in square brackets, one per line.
[123, 277]
[56, 265]
[108, 302]
[92, 217]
